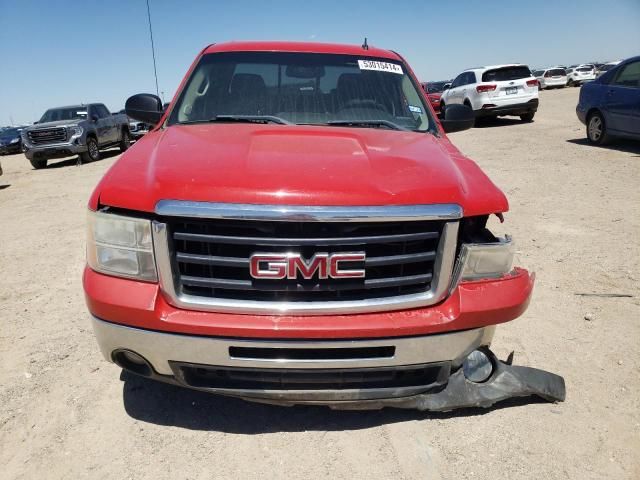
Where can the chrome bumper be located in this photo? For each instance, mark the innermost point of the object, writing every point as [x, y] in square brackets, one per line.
[166, 352]
[161, 348]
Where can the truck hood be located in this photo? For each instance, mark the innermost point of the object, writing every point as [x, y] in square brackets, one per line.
[296, 165]
[59, 123]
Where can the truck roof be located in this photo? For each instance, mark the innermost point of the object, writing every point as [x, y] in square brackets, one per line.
[76, 105]
[310, 47]
[492, 67]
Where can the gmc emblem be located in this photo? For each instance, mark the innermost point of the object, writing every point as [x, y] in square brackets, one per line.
[275, 266]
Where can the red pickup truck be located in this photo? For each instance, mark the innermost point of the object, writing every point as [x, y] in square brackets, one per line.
[298, 228]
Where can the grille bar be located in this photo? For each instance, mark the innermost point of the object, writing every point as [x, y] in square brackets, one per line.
[212, 260]
[283, 287]
[329, 380]
[51, 135]
[398, 259]
[244, 262]
[238, 240]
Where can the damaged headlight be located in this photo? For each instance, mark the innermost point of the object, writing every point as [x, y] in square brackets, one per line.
[486, 260]
[121, 246]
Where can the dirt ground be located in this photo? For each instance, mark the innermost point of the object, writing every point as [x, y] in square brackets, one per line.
[575, 215]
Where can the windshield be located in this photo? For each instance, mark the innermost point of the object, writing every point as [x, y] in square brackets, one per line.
[436, 87]
[301, 88]
[10, 132]
[66, 113]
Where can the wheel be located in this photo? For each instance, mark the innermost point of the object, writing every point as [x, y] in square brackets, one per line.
[527, 117]
[38, 163]
[597, 129]
[125, 141]
[93, 152]
[442, 107]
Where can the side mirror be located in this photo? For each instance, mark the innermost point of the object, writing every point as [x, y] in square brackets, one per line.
[94, 118]
[447, 86]
[456, 118]
[144, 107]
[35, 123]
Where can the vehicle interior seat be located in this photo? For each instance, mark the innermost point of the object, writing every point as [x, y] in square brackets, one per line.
[248, 95]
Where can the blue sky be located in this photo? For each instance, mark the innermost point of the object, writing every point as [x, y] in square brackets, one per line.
[57, 52]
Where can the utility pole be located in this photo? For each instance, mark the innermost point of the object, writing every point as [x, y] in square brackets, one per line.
[153, 50]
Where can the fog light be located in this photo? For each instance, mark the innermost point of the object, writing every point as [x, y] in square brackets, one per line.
[133, 357]
[132, 362]
[477, 367]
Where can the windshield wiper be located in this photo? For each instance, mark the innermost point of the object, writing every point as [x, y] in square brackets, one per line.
[367, 123]
[241, 119]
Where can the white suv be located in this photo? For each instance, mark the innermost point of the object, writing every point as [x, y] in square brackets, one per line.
[495, 91]
[551, 77]
[580, 74]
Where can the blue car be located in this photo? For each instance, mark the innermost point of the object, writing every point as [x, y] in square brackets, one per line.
[610, 105]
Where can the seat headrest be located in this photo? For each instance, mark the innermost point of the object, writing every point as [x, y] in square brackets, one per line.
[247, 83]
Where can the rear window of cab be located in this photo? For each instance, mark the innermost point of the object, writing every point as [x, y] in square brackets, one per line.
[506, 73]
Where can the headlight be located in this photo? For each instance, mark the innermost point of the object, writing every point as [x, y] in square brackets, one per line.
[486, 260]
[75, 131]
[121, 246]
[15, 140]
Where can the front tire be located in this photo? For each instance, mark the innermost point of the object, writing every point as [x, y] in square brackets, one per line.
[528, 117]
[597, 129]
[125, 141]
[38, 163]
[93, 152]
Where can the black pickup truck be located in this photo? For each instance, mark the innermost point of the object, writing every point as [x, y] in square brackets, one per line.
[75, 130]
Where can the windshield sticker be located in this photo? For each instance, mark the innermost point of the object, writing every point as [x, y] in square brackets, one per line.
[379, 66]
[414, 109]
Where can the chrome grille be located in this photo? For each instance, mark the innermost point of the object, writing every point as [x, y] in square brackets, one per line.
[203, 255]
[211, 258]
[47, 135]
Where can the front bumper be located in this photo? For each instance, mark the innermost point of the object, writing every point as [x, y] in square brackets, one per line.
[308, 370]
[159, 349]
[10, 148]
[57, 150]
[249, 369]
[405, 359]
[470, 305]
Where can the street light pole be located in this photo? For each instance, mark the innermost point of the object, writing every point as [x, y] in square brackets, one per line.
[153, 50]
